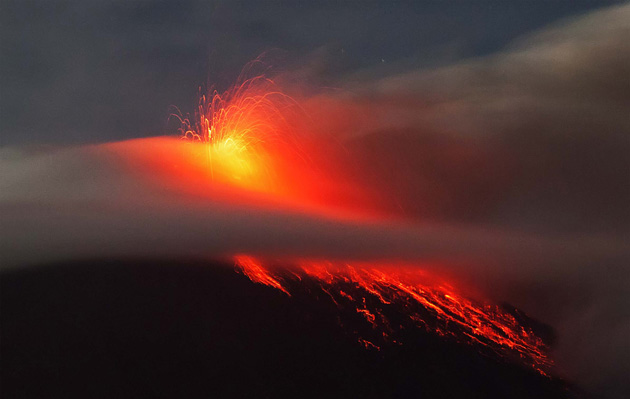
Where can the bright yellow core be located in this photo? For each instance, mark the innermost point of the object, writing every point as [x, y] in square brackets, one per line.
[232, 158]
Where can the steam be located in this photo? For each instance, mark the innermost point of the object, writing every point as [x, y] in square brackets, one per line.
[81, 202]
[511, 170]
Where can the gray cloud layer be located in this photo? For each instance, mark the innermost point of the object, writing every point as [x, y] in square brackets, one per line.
[78, 202]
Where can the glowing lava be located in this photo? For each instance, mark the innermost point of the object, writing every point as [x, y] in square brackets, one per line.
[248, 131]
[427, 303]
[255, 137]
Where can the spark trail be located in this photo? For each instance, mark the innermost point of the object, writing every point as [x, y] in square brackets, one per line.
[247, 130]
[257, 138]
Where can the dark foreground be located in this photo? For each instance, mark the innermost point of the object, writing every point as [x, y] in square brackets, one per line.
[114, 329]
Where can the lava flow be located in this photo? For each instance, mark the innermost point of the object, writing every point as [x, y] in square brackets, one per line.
[426, 302]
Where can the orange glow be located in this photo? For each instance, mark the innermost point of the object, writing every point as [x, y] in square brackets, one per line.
[236, 161]
[464, 319]
[247, 145]
[254, 269]
[249, 132]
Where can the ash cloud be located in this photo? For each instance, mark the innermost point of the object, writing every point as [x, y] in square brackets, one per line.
[535, 139]
[537, 136]
[516, 163]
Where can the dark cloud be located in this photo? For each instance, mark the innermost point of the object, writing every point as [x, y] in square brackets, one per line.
[86, 71]
[536, 136]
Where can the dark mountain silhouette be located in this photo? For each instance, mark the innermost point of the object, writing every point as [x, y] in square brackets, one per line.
[192, 329]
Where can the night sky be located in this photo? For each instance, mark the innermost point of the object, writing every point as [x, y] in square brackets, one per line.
[86, 71]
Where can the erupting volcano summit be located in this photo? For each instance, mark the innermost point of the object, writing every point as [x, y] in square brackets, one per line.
[250, 141]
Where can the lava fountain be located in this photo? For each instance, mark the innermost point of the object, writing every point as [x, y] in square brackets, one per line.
[256, 138]
[249, 132]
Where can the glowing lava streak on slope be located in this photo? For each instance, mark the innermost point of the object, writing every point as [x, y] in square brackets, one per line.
[427, 303]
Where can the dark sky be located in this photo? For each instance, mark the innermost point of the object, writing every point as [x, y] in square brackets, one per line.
[91, 71]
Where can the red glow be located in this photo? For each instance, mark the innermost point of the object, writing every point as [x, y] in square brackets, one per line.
[254, 269]
[247, 131]
[464, 319]
[248, 145]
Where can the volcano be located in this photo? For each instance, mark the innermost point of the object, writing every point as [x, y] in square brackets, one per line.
[148, 328]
